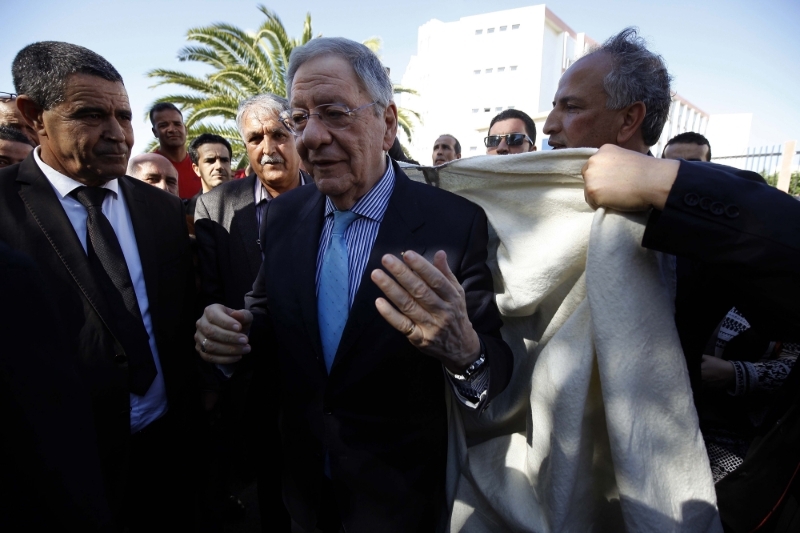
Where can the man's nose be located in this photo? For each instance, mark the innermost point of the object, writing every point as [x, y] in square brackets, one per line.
[502, 148]
[162, 184]
[551, 124]
[315, 134]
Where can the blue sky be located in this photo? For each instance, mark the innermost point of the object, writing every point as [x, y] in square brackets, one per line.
[726, 57]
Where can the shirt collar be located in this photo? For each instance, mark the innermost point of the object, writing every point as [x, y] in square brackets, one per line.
[262, 194]
[64, 184]
[373, 204]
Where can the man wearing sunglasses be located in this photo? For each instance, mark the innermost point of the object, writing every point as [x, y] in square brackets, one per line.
[511, 132]
[373, 297]
[12, 117]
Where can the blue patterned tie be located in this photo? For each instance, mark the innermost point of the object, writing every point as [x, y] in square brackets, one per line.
[333, 299]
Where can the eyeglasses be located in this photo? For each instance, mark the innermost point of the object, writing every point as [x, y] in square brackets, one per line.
[333, 116]
[512, 139]
[7, 97]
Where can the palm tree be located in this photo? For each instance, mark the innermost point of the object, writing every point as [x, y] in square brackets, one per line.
[406, 118]
[245, 64]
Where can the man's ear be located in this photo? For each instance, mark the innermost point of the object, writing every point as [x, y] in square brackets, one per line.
[196, 170]
[390, 118]
[632, 118]
[32, 113]
[458, 156]
[153, 129]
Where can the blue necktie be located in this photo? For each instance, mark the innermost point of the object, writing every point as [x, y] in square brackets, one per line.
[333, 299]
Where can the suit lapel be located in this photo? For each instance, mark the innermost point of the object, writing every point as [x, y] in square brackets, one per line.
[245, 223]
[396, 234]
[145, 227]
[39, 197]
[305, 242]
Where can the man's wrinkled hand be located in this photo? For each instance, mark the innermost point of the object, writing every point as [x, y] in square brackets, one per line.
[431, 308]
[624, 180]
[717, 373]
[221, 335]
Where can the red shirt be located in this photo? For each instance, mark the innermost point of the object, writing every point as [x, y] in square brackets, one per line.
[189, 183]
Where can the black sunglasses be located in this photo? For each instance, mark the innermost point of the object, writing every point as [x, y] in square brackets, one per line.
[7, 97]
[512, 139]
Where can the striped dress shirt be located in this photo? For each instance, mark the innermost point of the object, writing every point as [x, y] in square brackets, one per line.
[360, 237]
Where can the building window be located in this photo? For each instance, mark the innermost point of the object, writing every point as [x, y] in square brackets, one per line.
[473, 148]
[503, 28]
[488, 71]
[474, 109]
[501, 69]
[511, 107]
[515, 26]
[498, 109]
[513, 67]
[478, 32]
[490, 30]
[476, 71]
[487, 109]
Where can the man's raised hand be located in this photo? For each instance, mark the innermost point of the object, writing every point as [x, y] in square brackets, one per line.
[221, 335]
[431, 308]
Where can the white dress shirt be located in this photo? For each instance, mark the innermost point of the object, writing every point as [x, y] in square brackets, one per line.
[153, 405]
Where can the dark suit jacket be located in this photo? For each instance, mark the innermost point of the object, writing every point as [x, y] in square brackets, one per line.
[50, 479]
[743, 235]
[381, 413]
[33, 221]
[227, 240]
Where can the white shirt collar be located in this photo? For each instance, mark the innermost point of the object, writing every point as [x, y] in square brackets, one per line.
[64, 184]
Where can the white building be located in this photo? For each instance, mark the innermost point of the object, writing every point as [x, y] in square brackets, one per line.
[468, 71]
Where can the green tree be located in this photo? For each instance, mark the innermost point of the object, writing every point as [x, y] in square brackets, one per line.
[406, 118]
[243, 64]
[794, 183]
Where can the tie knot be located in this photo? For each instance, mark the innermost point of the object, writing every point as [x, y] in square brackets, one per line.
[342, 221]
[90, 196]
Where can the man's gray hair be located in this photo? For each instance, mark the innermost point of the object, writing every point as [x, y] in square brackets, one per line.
[637, 75]
[368, 67]
[265, 103]
[40, 70]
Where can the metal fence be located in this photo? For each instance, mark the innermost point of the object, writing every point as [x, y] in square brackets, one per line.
[769, 161]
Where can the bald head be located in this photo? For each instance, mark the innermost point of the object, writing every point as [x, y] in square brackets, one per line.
[156, 170]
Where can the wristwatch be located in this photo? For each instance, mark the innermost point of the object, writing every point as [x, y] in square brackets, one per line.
[472, 369]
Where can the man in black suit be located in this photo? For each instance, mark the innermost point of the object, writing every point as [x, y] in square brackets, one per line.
[50, 479]
[114, 257]
[744, 233]
[227, 218]
[361, 382]
[227, 221]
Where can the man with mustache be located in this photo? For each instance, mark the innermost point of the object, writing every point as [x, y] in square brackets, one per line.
[114, 256]
[227, 226]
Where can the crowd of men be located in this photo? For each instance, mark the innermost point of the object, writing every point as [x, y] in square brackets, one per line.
[300, 319]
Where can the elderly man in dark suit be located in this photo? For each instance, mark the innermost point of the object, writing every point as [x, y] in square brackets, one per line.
[227, 222]
[361, 378]
[114, 256]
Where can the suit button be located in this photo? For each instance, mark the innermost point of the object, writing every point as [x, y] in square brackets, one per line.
[691, 199]
[120, 358]
[717, 208]
[705, 203]
[732, 211]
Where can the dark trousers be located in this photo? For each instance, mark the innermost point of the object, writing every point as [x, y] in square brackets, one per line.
[161, 490]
